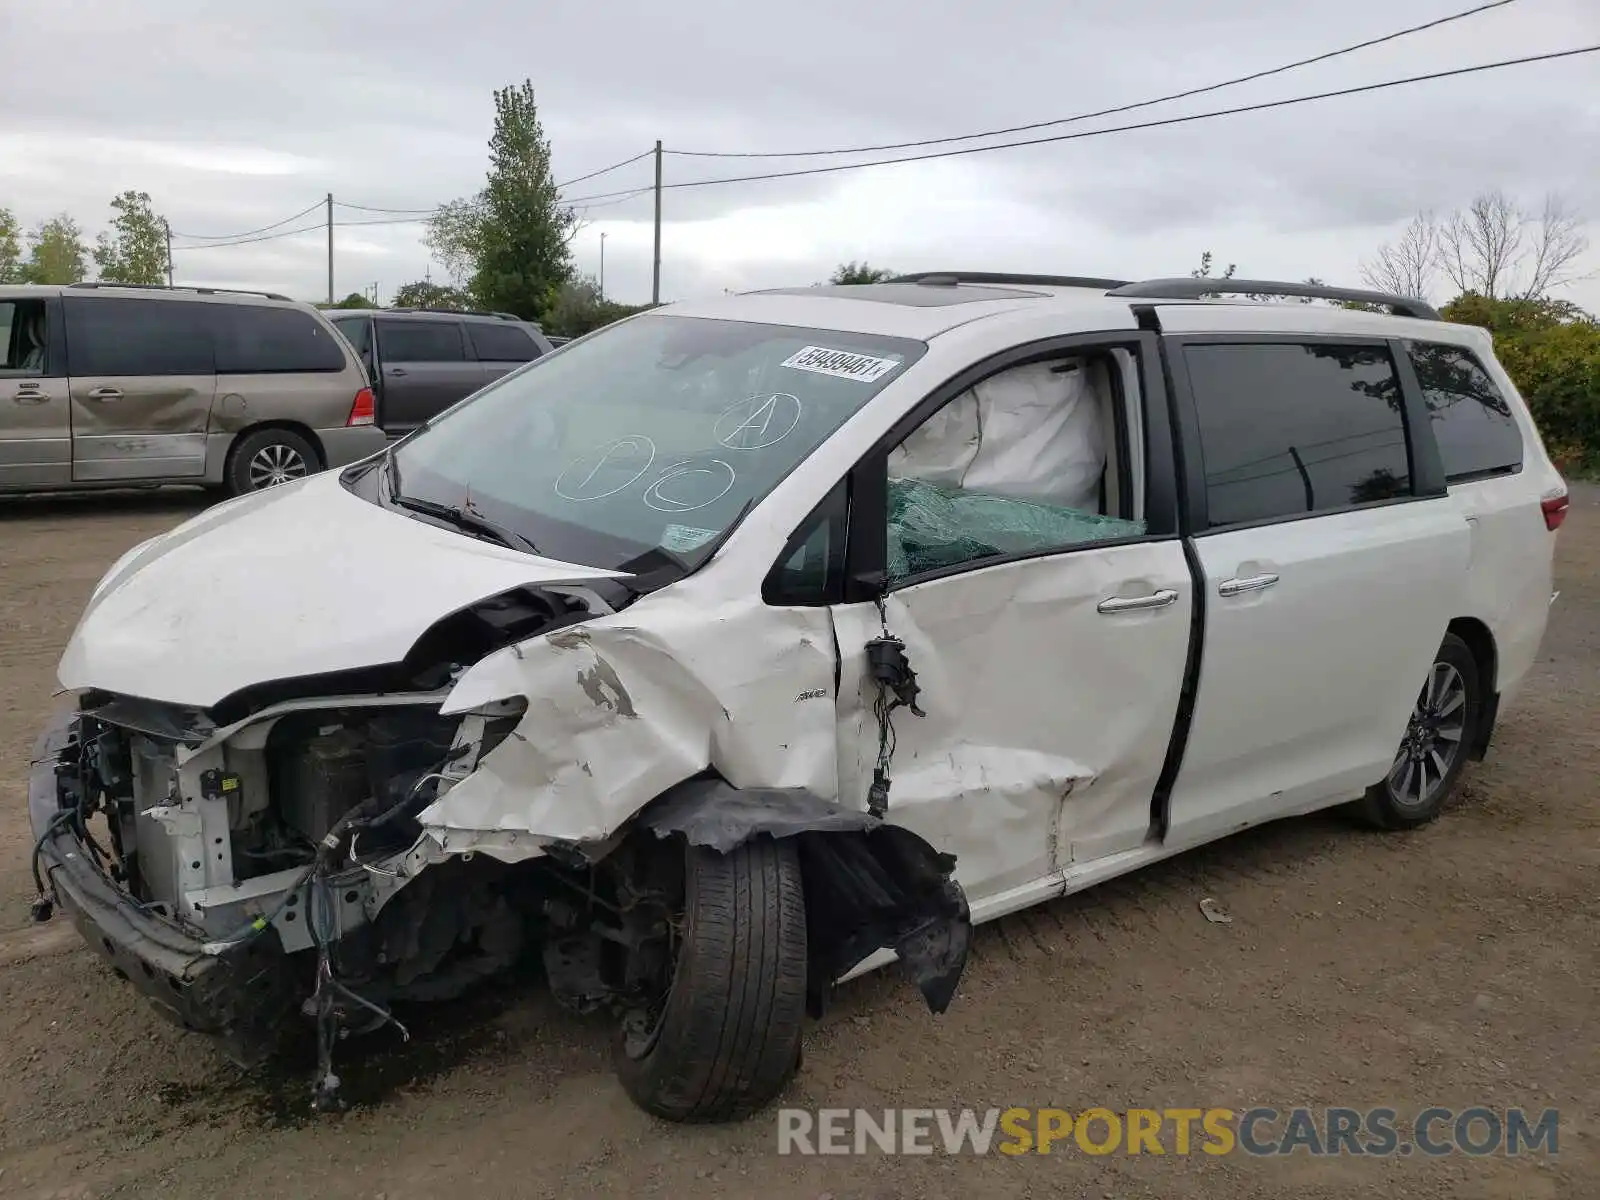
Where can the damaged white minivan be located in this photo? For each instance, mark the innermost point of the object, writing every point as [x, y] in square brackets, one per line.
[746, 645]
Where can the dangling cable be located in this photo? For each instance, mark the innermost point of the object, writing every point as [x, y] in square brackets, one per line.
[897, 688]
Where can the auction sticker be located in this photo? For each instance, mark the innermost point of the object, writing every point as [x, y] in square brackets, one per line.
[841, 364]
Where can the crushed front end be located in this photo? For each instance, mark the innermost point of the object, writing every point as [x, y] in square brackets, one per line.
[234, 875]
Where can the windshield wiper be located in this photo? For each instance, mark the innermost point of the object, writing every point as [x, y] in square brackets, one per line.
[462, 519]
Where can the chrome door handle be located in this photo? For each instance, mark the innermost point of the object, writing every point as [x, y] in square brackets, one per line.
[1118, 604]
[397, 370]
[1250, 583]
[106, 393]
[31, 395]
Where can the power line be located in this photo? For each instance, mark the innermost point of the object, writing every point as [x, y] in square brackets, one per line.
[317, 228]
[217, 237]
[1104, 112]
[579, 179]
[1091, 133]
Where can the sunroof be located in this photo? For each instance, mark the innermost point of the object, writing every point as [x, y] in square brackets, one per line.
[915, 295]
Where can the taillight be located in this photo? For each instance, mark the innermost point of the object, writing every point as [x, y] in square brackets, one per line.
[364, 410]
[1555, 510]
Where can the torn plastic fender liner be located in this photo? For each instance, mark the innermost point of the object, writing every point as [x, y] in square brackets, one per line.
[869, 885]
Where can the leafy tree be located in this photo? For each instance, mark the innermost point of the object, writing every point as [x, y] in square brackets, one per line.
[135, 248]
[353, 300]
[1203, 271]
[579, 308]
[513, 239]
[859, 272]
[56, 252]
[424, 293]
[11, 268]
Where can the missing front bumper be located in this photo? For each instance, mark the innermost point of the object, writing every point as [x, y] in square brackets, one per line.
[240, 996]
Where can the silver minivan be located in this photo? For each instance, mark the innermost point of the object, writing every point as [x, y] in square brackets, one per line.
[113, 385]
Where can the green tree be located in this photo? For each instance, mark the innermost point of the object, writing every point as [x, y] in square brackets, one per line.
[11, 269]
[56, 252]
[424, 293]
[579, 308]
[859, 272]
[512, 241]
[134, 250]
[353, 300]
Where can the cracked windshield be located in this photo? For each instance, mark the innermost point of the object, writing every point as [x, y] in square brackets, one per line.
[658, 433]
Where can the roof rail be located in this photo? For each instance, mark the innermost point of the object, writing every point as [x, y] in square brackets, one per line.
[455, 312]
[1195, 289]
[182, 287]
[952, 278]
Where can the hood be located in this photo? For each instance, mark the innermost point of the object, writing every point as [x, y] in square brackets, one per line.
[300, 579]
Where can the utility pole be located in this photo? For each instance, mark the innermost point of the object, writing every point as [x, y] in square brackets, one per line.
[655, 273]
[602, 265]
[330, 247]
[168, 229]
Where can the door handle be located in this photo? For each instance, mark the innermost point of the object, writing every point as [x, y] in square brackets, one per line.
[106, 393]
[1119, 604]
[397, 370]
[1250, 583]
[31, 395]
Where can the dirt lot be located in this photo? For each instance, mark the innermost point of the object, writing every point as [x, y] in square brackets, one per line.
[1455, 966]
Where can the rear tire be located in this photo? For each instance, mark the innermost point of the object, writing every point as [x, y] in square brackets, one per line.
[728, 1037]
[269, 457]
[1434, 751]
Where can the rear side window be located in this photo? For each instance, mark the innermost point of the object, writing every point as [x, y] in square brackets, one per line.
[253, 339]
[1288, 429]
[357, 331]
[421, 341]
[114, 336]
[1470, 417]
[501, 343]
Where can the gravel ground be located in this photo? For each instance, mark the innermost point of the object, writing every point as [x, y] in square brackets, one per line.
[1453, 966]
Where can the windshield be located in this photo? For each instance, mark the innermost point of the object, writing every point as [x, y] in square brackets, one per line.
[658, 433]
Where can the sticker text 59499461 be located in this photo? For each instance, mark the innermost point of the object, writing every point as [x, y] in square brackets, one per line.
[842, 364]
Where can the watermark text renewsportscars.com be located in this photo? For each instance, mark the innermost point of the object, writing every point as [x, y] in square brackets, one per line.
[1432, 1132]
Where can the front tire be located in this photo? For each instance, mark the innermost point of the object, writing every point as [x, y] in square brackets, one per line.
[727, 1038]
[1434, 750]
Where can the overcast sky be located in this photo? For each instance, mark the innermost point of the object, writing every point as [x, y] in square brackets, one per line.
[235, 116]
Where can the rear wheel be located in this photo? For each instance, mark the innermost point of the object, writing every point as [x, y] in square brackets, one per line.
[1433, 752]
[722, 1036]
[269, 457]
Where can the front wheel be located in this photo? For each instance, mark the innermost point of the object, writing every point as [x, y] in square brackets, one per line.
[725, 1038]
[1433, 751]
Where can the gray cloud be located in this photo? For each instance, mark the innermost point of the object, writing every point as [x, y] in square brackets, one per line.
[235, 116]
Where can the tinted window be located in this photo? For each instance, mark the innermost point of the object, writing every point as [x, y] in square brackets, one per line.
[358, 331]
[1289, 429]
[253, 339]
[138, 337]
[421, 341]
[501, 343]
[1470, 418]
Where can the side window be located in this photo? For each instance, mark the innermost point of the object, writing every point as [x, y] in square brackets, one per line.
[811, 568]
[1470, 418]
[22, 337]
[1288, 429]
[421, 341]
[113, 336]
[1017, 464]
[501, 343]
[253, 339]
[357, 331]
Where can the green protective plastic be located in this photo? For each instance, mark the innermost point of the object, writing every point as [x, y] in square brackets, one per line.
[931, 526]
